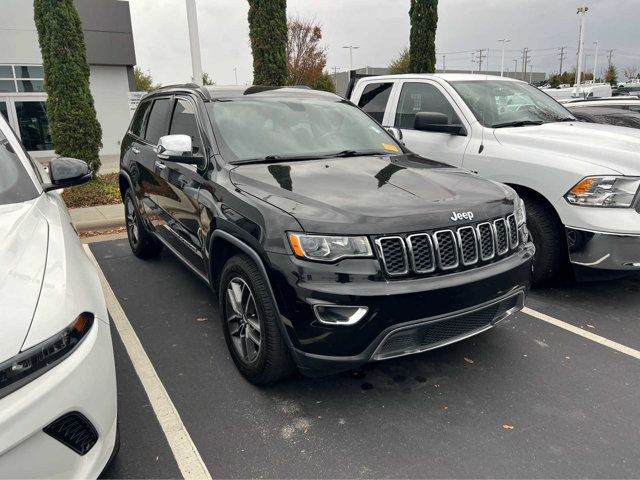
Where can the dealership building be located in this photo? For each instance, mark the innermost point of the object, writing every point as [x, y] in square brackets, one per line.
[111, 57]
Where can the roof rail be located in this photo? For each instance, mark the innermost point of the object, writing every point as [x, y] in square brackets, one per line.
[202, 91]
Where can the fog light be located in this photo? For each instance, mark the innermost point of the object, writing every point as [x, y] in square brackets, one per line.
[339, 315]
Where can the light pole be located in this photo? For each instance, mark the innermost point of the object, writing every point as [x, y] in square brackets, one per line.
[235, 72]
[595, 62]
[531, 74]
[194, 41]
[515, 68]
[504, 41]
[582, 10]
[351, 49]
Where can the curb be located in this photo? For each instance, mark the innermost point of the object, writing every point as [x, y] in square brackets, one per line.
[101, 217]
[98, 224]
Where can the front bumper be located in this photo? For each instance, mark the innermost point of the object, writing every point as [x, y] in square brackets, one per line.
[604, 251]
[84, 382]
[393, 305]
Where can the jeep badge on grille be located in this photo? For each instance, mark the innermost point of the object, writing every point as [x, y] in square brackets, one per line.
[461, 216]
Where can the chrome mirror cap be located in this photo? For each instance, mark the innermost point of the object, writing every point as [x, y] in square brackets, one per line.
[174, 146]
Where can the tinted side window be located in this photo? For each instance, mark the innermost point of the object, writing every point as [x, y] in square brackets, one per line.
[184, 122]
[374, 99]
[421, 97]
[158, 121]
[136, 125]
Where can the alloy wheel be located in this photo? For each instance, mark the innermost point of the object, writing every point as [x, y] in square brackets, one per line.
[132, 222]
[243, 320]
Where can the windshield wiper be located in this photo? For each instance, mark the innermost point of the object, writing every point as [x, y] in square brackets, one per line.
[519, 123]
[568, 119]
[355, 153]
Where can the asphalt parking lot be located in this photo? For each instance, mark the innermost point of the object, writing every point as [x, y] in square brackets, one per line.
[526, 399]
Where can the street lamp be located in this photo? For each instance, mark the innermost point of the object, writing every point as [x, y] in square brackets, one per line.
[351, 49]
[504, 41]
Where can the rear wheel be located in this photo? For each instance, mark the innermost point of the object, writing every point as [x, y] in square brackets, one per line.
[549, 237]
[250, 325]
[143, 244]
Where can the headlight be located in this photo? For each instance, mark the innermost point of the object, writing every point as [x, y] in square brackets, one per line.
[604, 192]
[520, 212]
[30, 364]
[329, 248]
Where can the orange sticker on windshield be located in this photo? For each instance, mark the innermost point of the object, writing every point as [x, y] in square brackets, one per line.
[391, 148]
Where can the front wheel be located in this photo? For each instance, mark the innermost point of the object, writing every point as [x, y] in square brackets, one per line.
[549, 237]
[143, 244]
[250, 325]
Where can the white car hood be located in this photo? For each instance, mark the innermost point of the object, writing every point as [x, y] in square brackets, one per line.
[609, 147]
[24, 243]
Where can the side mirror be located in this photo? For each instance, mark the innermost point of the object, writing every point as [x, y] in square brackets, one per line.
[396, 133]
[67, 172]
[437, 122]
[178, 149]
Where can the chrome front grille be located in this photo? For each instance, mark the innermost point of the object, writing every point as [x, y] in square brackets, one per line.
[450, 249]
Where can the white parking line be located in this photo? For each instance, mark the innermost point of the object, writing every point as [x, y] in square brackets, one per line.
[583, 333]
[185, 452]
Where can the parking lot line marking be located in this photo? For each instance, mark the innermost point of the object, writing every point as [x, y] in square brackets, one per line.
[583, 333]
[184, 451]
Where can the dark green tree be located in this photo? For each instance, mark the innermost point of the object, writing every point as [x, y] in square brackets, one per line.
[325, 83]
[424, 22]
[75, 130]
[611, 75]
[268, 35]
[144, 81]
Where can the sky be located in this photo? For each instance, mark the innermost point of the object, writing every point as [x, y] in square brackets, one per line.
[381, 29]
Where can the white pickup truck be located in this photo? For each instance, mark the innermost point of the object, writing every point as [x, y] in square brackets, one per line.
[580, 182]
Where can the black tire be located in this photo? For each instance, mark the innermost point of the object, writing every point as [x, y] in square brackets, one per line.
[549, 237]
[271, 360]
[143, 244]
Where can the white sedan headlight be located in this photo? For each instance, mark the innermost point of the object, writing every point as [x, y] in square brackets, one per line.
[328, 248]
[617, 192]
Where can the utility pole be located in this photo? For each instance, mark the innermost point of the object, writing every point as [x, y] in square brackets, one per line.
[504, 41]
[531, 74]
[444, 64]
[351, 49]
[235, 72]
[481, 58]
[335, 75]
[194, 41]
[562, 55]
[515, 68]
[525, 61]
[595, 62]
[473, 61]
[610, 57]
[583, 12]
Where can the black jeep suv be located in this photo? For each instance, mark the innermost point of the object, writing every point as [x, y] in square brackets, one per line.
[328, 244]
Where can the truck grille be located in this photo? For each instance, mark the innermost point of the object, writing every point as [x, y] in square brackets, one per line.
[444, 250]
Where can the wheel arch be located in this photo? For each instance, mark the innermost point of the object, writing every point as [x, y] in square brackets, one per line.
[125, 183]
[534, 194]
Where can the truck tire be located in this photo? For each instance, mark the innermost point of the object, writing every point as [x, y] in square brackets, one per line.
[549, 238]
[143, 244]
[249, 322]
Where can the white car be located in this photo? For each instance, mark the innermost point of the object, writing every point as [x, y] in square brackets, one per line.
[623, 102]
[57, 373]
[580, 181]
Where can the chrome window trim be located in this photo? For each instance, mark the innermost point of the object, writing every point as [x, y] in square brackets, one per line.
[437, 248]
[493, 241]
[378, 242]
[460, 246]
[495, 232]
[412, 258]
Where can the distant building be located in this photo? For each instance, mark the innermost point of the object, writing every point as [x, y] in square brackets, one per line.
[111, 57]
[342, 79]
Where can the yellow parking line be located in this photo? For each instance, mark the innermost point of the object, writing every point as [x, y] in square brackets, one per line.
[185, 452]
[583, 333]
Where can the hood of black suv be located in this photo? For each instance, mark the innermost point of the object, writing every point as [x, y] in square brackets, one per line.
[374, 194]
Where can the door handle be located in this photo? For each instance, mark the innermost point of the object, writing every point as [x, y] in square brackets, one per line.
[135, 150]
[160, 165]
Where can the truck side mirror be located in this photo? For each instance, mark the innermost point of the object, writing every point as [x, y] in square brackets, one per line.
[437, 122]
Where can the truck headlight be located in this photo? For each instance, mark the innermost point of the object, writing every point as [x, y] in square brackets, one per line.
[604, 192]
[329, 248]
[33, 362]
[520, 211]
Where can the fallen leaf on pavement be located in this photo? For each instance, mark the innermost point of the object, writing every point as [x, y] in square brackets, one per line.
[590, 326]
[468, 360]
[506, 426]
[201, 319]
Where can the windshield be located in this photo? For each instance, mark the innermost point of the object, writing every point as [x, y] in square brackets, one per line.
[497, 103]
[274, 128]
[15, 184]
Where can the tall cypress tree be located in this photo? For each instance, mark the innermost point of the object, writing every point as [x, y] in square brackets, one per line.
[268, 34]
[75, 130]
[424, 22]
